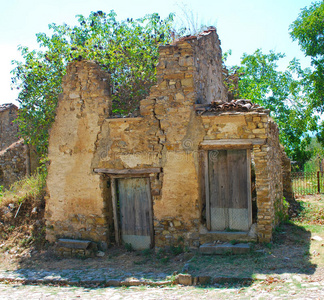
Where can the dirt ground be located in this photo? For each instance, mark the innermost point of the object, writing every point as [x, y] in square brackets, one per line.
[294, 250]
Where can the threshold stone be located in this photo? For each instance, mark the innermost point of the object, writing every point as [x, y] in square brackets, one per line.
[211, 248]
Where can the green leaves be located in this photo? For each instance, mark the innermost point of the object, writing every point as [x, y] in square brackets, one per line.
[127, 49]
[284, 93]
[308, 30]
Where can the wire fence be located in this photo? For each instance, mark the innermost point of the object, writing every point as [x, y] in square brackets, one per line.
[307, 183]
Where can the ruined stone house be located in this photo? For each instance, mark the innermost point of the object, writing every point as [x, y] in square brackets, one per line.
[192, 167]
[16, 159]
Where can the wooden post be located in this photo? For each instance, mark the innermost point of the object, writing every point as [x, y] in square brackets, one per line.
[115, 210]
[318, 182]
[206, 157]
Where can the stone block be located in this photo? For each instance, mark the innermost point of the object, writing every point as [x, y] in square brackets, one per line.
[175, 76]
[184, 279]
[211, 248]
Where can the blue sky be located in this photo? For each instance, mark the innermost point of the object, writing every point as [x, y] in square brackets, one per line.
[242, 25]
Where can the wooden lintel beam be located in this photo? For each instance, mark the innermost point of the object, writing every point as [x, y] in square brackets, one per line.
[128, 171]
[234, 142]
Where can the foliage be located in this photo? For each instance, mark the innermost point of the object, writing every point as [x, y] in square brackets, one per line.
[284, 93]
[128, 50]
[30, 187]
[188, 22]
[129, 247]
[317, 155]
[308, 30]
[176, 250]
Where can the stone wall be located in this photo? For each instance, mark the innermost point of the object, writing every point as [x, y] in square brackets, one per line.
[286, 176]
[208, 75]
[13, 163]
[268, 182]
[8, 129]
[16, 160]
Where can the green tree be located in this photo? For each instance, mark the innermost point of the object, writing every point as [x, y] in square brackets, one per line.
[308, 30]
[314, 164]
[284, 93]
[127, 49]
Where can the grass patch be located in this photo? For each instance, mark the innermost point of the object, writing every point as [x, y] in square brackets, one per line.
[311, 213]
[22, 213]
[31, 187]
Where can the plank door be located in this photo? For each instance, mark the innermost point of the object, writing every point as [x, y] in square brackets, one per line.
[229, 190]
[135, 212]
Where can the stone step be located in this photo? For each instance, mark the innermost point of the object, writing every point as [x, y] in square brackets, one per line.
[225, 248]
[74, 244]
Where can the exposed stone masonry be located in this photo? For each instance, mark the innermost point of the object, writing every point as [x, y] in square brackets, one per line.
[13, 163]
[14, 155]
[8, 129]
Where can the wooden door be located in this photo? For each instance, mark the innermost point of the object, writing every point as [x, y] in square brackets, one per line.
[229, 190]
[135, 212]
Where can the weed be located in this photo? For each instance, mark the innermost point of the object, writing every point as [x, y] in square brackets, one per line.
[147, 252]
[234, 242]
[165, 259]
[140, 262]
[176, 250]
[129, 247]
[161, 253]
[230, 230]
[11, 228]
[268, 245]
[180, 239]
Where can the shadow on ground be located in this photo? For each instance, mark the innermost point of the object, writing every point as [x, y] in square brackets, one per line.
[288, 254]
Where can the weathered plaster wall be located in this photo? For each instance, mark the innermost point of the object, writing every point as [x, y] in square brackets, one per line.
[76, 207]
[231, 125]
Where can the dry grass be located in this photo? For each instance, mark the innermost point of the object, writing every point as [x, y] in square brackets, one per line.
[22, 216]
[31, 188]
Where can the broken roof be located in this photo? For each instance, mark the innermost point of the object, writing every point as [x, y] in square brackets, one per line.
[239, 105]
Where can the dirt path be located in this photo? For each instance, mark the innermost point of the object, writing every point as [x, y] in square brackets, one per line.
[289, 289]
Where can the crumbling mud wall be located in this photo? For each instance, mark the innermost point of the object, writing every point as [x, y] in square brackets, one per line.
[88, 148]
[76, 208]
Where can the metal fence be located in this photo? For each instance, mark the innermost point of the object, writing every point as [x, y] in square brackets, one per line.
[307, 183]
